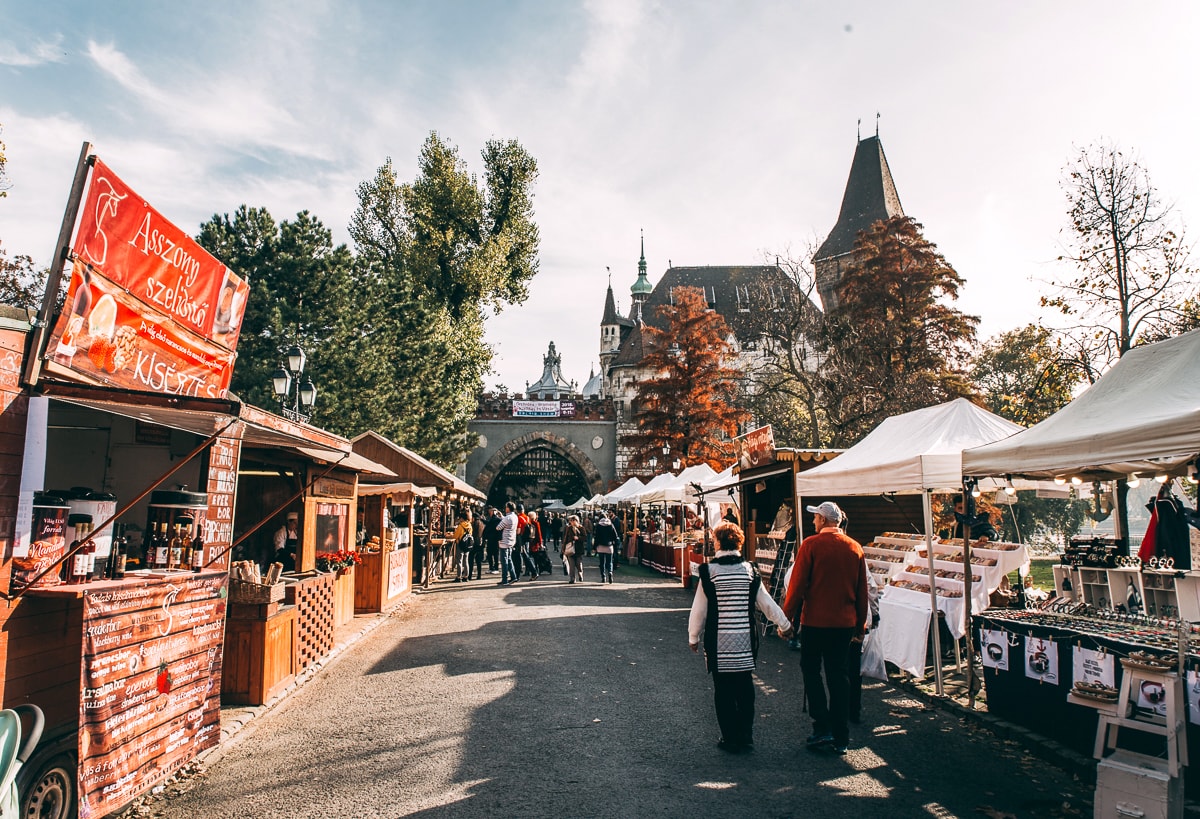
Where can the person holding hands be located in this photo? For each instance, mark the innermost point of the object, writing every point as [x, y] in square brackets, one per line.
[723, 617]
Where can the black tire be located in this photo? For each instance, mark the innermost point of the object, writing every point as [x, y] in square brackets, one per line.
[47, 788]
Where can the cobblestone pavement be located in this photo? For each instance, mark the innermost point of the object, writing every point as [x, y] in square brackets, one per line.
[544, 700]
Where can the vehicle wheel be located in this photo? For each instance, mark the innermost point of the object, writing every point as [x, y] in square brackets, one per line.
[49, 792]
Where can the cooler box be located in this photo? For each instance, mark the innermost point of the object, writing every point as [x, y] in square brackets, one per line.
[1135, 786]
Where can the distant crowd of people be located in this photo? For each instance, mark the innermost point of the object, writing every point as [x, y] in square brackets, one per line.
[515, 543]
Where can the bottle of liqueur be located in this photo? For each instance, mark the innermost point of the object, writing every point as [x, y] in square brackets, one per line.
[162, 546]
[79, 561]
[198, 549]
[175, 549]
[118, 555]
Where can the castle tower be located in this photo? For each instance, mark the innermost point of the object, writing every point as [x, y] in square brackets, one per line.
[870, 197]
[641, 288]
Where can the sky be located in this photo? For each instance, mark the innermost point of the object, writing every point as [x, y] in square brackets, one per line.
[723, 130]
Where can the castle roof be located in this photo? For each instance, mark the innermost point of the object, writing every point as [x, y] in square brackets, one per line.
[870, 197]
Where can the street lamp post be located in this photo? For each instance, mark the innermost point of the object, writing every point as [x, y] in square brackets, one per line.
[297, 404]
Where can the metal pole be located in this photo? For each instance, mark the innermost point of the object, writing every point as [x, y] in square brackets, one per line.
[33, 365]
[926, 498]
[969, 511]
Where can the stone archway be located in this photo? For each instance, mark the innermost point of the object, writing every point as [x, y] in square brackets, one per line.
[557, 444]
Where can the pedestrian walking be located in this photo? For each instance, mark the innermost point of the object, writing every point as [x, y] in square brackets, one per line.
[723, 616]
[464, 542]
[491, 537]
[573, 546]
[521, 555]
[475, 565]
[604, 537]
[829, 591]
[508, 539]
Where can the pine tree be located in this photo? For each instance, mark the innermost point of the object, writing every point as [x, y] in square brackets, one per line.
[690, 405]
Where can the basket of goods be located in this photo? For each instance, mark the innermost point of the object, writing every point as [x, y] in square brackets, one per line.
[1095, 691]
[248, 585]
[1145, 661]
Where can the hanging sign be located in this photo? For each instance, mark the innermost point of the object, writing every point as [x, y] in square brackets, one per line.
[995, 648]
[147, 308]
[1093, 667]
[1041, 660]
[755, 448]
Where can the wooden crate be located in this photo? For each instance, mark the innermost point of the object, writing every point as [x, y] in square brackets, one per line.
[343, 596]
[313, 599]
[261, 655]
[369, 582]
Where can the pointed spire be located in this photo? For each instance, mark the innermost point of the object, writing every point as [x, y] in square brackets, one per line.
[870, 196]
[610, 306]
[642, 288]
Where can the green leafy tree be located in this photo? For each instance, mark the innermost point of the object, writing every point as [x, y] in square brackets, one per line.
[302, 291]
[690, 406]
[436, 255]
[1133, 270]
[894, 343]
[21, 283]
[1023, 375]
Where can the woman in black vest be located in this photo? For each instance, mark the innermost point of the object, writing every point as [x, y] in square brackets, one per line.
[723, 613]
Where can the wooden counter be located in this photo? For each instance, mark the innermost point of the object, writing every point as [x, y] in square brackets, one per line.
[261, 652]
[382, 580]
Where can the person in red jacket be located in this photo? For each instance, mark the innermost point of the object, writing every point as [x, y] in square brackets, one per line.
[829, 592]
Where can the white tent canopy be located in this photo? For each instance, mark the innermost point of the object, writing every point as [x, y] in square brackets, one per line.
[679, 489]
[919, 451]
[622, 492]
[914, 452]
[655, 483]
[1143, 415]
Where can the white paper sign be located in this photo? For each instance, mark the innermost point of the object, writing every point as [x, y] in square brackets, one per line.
[1094, 667]
[1151, 696]
[1041, 660]
[994, 648]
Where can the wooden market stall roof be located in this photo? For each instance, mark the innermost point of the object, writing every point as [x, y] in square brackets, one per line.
[409, 466]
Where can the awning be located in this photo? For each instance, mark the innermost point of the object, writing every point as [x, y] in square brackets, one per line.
[402, 488]
[200, 416]
[347, 460]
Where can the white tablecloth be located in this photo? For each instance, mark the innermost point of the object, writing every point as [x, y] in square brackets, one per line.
[903, 630]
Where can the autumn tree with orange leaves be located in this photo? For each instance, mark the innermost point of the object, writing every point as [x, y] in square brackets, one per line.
[689, 405]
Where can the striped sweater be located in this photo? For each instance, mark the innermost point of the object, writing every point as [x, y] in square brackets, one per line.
[730, 636]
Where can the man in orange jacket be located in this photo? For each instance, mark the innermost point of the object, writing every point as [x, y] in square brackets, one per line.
[829, 592]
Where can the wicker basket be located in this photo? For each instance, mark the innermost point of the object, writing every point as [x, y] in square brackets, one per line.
[241, 591]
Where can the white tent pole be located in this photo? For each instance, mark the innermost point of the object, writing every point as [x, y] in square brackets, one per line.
[926, 497]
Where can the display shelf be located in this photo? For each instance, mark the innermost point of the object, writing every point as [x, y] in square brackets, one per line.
[1161, 598]
[1187, 595]
[1066, 582]
[1125, 589]
[1092, 588]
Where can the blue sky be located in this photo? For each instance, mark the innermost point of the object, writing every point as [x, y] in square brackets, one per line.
[723, 129]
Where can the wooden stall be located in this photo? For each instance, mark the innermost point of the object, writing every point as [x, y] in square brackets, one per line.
[385, 513]
[432, 518]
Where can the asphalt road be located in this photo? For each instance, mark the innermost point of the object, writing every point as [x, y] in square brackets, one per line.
[545, 700]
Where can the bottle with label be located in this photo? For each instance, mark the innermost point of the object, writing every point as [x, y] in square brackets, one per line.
[81, 305]
[197, 550]
[162, 546]
[176, 549]
[116, 559]
[79, 560]
[90, 548]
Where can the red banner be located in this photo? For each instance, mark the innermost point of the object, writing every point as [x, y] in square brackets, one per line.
[106, 336]
[131, 243]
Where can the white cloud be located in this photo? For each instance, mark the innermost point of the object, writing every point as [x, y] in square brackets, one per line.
[40, 53]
